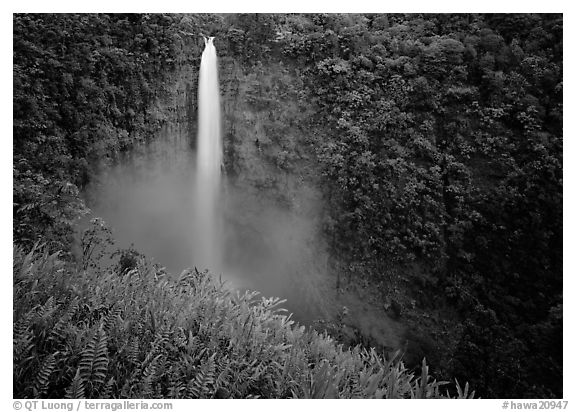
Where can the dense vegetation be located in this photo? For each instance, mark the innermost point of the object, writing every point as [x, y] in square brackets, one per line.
[136, 333]
[439, 139]
[84, 89]
[444, 164]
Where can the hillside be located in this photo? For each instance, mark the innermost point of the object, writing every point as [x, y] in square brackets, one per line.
[135, 333]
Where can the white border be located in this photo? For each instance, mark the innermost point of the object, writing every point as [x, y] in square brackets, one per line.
[291, 6]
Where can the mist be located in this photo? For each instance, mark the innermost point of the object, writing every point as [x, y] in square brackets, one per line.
[147, 199]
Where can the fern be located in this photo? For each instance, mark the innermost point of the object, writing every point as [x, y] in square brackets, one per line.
[58, 331]
[196, 340]
[202, 384]
[323, 383]
[151, 375]
[23, 340]
[42, 380]
[44, 313]
[76, 388]
[107, 391]
[176, 386]
[222, 378]
[94, 362]
[133, 350]
[112, 319]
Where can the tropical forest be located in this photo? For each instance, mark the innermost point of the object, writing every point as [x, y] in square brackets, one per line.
[287, 206]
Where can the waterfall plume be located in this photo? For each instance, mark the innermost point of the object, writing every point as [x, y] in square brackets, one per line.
[208, 245]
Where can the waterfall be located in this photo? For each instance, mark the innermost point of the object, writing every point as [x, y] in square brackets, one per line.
[208, 245]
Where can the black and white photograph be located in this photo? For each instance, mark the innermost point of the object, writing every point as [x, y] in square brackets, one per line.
[287, 206]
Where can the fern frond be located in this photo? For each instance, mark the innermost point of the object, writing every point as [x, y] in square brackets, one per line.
[134, 350]
[151, 370]
[58, 331]
[23, 340]
[94, 362]
[107, 391]
[151, 375]
[176, 387]
[45, 312]
[202, 384]
[222, 378]
[76, 388]
[26, 264]
[42, 380]
[111, 319]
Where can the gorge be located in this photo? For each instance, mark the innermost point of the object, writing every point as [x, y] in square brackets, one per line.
[396, 178]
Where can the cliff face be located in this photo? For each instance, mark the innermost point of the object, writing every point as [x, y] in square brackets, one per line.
[274, 211]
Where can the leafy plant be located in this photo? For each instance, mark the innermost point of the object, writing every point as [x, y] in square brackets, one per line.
[134, 334]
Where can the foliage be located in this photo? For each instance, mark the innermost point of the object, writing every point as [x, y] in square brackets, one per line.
[44, 208]
[84, 87]
[139, 334]
[440, 140]
[94, 243]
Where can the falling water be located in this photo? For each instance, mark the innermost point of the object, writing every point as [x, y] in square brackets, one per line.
[207, 253]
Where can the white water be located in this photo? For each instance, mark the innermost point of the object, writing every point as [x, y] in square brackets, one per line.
[207, 250]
